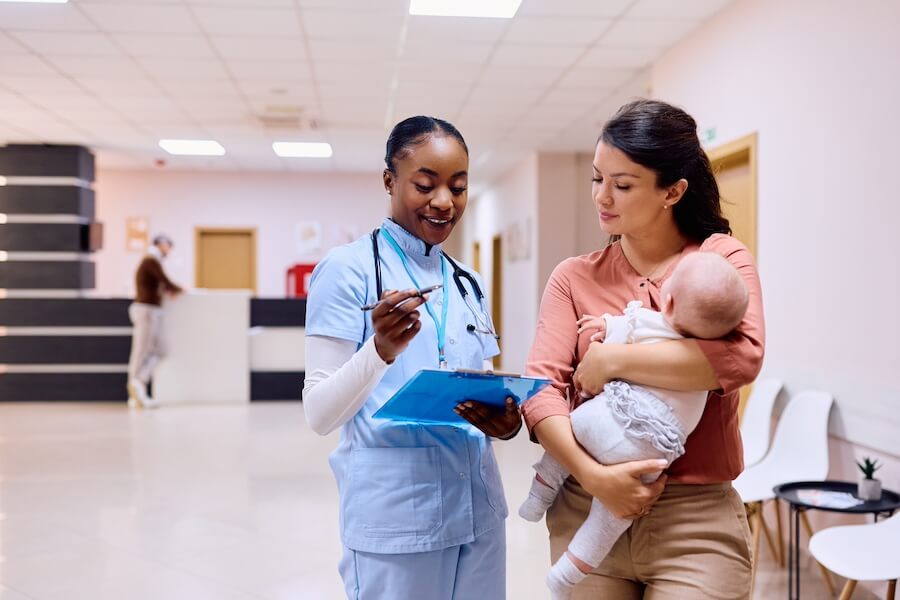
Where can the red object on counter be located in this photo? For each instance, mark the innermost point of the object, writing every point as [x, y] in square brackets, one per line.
[297, 282]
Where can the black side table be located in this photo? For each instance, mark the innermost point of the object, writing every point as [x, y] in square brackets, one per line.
[890, 501]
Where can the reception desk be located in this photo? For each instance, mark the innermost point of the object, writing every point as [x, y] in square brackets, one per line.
[224, 347]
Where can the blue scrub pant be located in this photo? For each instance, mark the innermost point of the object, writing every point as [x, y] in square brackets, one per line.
[475, 571]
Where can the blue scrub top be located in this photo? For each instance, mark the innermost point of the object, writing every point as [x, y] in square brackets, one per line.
[406, 487]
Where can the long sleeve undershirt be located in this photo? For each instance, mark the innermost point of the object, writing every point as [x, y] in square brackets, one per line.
[339, 380]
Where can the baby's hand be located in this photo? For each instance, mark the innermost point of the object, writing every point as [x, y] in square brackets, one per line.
[591, 322]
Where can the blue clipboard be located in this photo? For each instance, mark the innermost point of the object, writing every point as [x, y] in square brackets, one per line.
[432, 394]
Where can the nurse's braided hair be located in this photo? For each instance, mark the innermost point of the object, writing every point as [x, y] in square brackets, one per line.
[413, 131]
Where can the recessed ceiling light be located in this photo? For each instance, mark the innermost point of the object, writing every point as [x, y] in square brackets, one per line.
[497, 9]
[192, 147]
[37, 1]
[302, 149]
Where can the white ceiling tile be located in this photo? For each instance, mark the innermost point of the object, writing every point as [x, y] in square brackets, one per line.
[393, 7]
[357, 71]
[162, 45]
[27, 84]
[264, 87]
[66, 102]
[279, 102]
[269, 70]
[43, 17]
[199, 87]
[347, 113]
[26, 65]
[440, 75]
[620, 57]
[574, 8]
[328, 50]
[440, 54]
[571, 97]
[246, 47]
[596, 78]
[442, 108]
[501, 94]
[546, 30]
[352, 25]
[275, 22]
[149, 18]
[455, 29]
[520, 76]
[10, 47]
[94, 66]
[216, 111]
[536, 55]
[134, 83]
[683, 9]
[647, 32]
[240, 3]
[177, 69]
[80, 44]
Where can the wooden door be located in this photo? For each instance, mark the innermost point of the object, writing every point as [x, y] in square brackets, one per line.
[226, 259]
[497, 290]
[735, 167]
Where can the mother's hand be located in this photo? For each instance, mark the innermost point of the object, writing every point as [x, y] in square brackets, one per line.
[596, 369]
[620, 489]
[503, 423]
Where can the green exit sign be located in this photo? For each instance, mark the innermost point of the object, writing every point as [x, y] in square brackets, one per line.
[708, 135]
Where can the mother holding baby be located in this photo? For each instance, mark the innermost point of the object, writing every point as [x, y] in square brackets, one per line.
[656, 195]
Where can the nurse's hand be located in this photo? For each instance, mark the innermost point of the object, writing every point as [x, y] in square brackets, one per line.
[503, 423]
[620, 489]
[396, 322]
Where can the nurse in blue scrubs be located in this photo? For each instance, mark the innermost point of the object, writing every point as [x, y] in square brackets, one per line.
[422, 509]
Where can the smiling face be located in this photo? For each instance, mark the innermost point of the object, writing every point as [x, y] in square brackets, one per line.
[428, 187]
[626, 195]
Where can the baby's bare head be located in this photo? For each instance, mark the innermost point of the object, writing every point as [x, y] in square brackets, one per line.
[705, 297]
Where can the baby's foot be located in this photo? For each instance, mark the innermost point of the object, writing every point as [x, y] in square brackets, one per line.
[562, 578]
[533, 508]
[539, 499]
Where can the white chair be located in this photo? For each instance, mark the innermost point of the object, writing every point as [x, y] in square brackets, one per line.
[799, 452]
[756, 422]
[861, 553]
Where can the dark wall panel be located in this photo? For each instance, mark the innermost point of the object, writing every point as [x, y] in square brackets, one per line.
[36, 160]
[64, 312]
[277, 312]
[45, 237]
[67, 275]
[276, 385]
[65, 350]
[47, 200]
[63, 387]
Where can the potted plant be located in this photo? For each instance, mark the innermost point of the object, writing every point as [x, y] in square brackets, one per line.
[868, 488]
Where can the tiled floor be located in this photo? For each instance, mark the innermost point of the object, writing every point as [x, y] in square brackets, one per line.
[219, 503]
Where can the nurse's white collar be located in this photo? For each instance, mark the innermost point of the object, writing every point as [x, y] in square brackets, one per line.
[410, 244]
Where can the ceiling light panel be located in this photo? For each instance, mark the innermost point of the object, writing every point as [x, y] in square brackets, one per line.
[302, 149]
[192, 147]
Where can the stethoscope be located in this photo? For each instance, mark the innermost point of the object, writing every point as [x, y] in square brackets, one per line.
[482, 323]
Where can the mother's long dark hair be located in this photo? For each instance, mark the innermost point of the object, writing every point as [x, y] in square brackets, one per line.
[663, 138]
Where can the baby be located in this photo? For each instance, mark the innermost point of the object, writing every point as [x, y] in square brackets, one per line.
[704, 297]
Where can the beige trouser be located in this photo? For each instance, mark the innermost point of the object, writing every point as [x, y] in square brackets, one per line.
[694, 545]
[146, 340]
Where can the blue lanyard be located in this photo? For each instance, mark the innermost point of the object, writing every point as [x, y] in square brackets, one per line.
[441, 325]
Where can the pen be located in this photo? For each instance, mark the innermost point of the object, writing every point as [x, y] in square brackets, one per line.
[421, 292]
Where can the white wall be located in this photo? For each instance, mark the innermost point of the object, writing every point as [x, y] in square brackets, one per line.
[818, 82]
[346, 205]
[512, 200]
